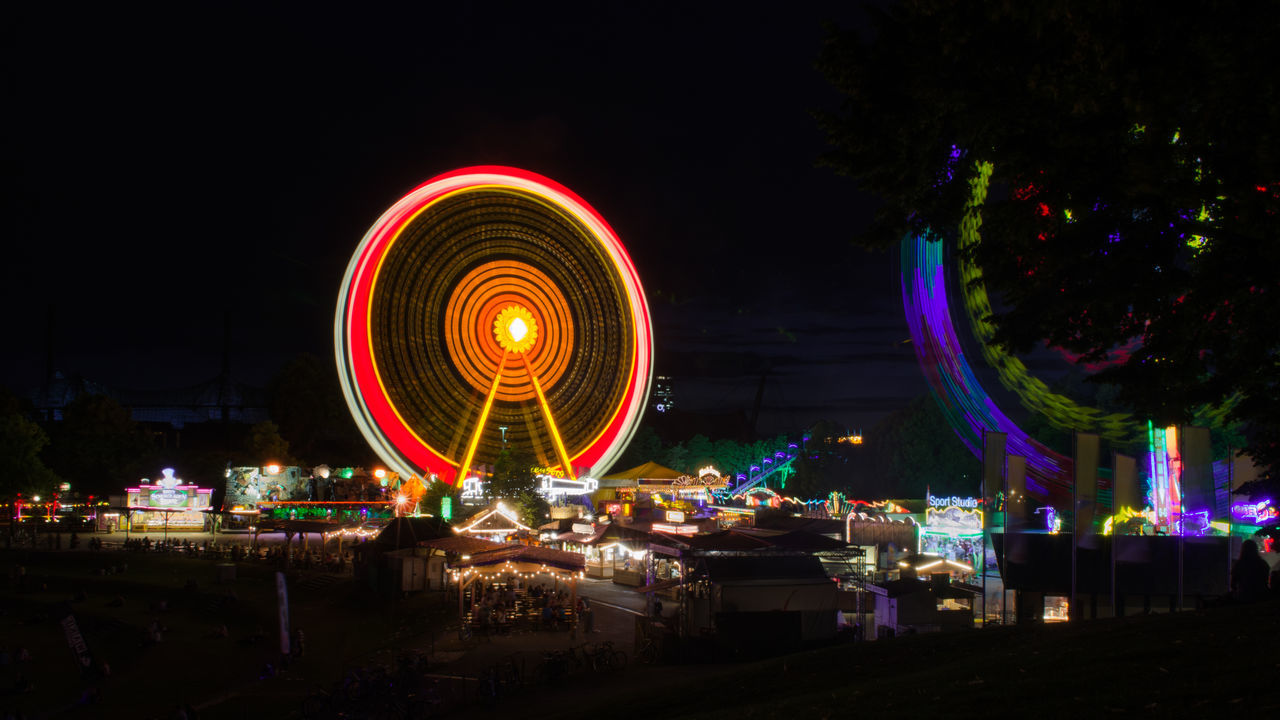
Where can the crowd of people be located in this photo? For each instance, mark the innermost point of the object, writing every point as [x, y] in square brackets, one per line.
[498, 605]
[306, 559]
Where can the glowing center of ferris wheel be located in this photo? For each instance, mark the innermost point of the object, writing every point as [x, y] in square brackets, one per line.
[515, 329]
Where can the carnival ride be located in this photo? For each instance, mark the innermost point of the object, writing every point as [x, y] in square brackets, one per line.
[969, 408]
[491, 308]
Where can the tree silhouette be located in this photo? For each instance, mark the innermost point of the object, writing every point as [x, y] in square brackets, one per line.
[1133, 190]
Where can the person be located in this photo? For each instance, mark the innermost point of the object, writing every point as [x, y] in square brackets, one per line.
[1249, 574]
[588, 616]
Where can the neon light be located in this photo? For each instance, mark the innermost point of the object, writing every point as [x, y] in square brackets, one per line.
[472, 488]
[1165, 466]
[500, 510]
[551, 486]
[675, 529]
[961, 502]
[1259, 512]
[953, 520]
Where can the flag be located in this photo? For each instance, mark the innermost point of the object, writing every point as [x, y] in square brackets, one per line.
[1086, 481]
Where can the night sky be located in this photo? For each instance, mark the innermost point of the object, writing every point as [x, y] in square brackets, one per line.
[168, 169]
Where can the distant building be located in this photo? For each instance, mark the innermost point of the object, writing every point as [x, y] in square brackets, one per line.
[220, 399]
[661, 397]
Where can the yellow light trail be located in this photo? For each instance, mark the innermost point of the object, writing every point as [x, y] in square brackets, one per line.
[465, 467]
[551, 423]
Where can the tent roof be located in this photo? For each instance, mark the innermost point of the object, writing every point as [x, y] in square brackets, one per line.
[647, 471]
[516, 553]
[403, 532]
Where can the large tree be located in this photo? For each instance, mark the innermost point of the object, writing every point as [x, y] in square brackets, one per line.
[307, 404]
[1119, 163]
[98, 447]
[21, 441]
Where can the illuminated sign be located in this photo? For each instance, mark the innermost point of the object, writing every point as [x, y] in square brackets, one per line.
[472, 489]
[1258, 512]
[675, 516]
[952, 501]
[168, 494]
[953, 519]
[675, 529]
[583, 528]
[550, 486]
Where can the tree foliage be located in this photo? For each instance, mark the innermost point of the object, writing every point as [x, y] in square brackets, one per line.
[306, 402]
[1134, 189]
[98, 447]
[914, 450]
[265, 445]
[21, 441]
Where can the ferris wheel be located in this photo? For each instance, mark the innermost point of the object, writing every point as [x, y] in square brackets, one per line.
[492, 308]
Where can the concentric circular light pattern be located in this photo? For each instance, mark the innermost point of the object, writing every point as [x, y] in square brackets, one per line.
[476, 296]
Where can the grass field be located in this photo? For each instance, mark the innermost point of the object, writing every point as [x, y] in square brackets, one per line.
[1217, 662]
[222, 676]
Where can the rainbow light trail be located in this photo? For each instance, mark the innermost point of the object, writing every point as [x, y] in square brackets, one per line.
[968, 407]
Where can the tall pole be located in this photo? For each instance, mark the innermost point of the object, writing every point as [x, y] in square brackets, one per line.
[1115, 531]
[1231, 477]
[1072, 610]
[1182, 524]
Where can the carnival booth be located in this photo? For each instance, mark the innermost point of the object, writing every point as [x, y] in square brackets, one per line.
[167, 505]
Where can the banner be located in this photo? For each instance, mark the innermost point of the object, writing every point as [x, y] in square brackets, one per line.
[1015, 496]
[1124, 484]
[1197, 479]
[1086, 481]
[992, 467]
[282, 601]
[79, 648]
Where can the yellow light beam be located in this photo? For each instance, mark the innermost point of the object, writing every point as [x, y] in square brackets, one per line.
[465, 467]
[551, 423]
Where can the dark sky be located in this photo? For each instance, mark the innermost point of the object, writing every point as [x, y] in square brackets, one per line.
[169, 168]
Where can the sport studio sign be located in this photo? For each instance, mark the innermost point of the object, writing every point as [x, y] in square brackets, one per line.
[952, 501]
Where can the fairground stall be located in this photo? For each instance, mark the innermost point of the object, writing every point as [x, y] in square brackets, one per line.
[167, 504]
[953, 530]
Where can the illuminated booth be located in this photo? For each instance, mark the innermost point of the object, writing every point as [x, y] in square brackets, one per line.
[167, 505]
[953, 530]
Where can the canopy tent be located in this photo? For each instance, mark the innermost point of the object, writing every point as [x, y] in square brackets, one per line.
[647, 471]
[517, 560]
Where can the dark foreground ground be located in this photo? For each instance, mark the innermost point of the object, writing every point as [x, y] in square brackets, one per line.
[1215, 662]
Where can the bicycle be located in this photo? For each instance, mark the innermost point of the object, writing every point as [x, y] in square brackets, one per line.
[647, 652]
[605, 657]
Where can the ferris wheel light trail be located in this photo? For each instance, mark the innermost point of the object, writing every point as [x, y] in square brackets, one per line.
[465, 466]
[466, 270]
[551, 424]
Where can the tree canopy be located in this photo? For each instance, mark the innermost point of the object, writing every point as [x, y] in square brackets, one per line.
[1119, 163]
[21, 441]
